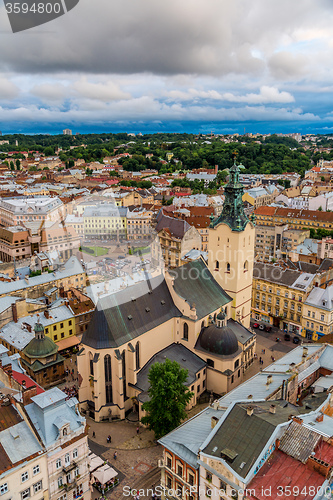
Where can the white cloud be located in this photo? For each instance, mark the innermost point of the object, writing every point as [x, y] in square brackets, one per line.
[8, 90]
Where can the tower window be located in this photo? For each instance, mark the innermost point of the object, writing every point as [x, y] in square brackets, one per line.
[227, 267]
[217, 265]
[246, 266]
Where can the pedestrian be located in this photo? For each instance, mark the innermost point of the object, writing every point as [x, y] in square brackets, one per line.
[115, 455]
[94, 435]
[264, 351]
[260, 360]
[137, 429]
[71, 360]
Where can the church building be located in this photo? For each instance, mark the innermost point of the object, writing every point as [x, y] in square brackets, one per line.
[197, 314]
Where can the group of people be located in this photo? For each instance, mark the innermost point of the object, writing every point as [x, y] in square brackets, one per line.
[71, 391]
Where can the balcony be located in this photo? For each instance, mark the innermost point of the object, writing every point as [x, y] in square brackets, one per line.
[71, 466]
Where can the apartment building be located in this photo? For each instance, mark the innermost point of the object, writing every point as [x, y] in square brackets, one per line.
[274, 242]
[23, 469]
[64, 435]
[175, 238]
[296, 219]
[105, 222]
[17, 211]
[139, 224]
[278, 296]
[67, 275]
[317, 318]
[259, 196]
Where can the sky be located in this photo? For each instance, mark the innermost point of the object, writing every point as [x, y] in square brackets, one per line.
[178, 66]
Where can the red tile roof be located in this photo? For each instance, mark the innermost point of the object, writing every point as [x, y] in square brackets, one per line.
[20, 377]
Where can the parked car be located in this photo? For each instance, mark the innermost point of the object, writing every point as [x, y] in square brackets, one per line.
[296, 340]
[121, 256]
[287, 336]
[268, 328]
[256, 325]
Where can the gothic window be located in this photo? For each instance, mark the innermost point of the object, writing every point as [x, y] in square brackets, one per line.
[185, 331]
[217, 265]
[137, 356]
[123, 362]
[246, 266]
[227, 267]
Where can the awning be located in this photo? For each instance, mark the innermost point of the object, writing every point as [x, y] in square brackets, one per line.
[69, 342]
[94, 461]
[105, 474]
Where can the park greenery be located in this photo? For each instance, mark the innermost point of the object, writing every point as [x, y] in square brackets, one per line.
[270, 155]
[169, 397]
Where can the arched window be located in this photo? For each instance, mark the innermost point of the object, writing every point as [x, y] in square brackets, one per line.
[227, 267]
[185, 331]
[123, 365]
[210, 363]
[137, 356]
[91, 364]
[217, 265]
[108, 379]
[236, 364]
[246, 266]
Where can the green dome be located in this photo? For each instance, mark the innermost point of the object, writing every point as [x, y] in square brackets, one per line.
[221, 315]
[40, 348]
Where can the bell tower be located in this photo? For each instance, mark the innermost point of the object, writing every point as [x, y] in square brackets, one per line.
[231, 249]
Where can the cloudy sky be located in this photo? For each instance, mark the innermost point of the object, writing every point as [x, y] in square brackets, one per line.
[179, 65]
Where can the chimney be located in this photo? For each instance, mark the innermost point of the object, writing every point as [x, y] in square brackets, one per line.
[272, 409]
[320, 418]
[14, 312]
[214, 421]
[269, 379]
[305, 352]
[28, 393]
[46, 314]
[216, 169]
[298, 420]
[26, 279]
[249, 411]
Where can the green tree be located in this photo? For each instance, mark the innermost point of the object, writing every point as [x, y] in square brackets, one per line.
[12, 166]
[168, 397]
[18, 164]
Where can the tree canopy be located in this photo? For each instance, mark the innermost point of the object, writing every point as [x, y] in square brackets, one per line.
[168, 397]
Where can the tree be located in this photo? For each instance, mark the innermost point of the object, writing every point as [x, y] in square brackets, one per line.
[18, 164]
[168, 397]
[12, 166]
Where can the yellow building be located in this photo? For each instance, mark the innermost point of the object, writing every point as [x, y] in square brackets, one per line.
[105, 221]
[317, 319]
[295, 218]
[278, 296]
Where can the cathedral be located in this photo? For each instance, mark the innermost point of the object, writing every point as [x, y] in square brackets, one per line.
[197, 314]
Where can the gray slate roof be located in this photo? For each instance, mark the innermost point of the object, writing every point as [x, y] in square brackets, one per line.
[299, 441]
[45, 411]
[119, 319]
[174, 352]
[195, 283]
[186, 440]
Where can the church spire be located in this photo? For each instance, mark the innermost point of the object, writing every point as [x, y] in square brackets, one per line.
[233, 209]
